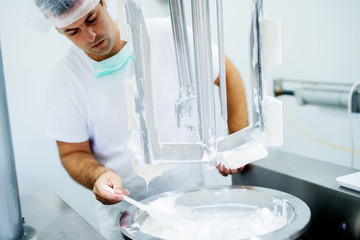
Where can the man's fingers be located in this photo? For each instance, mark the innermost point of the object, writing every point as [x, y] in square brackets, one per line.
[109, 199]
[108, 188]
[126, 192]
[221, 168]
[106, 202]
[106, 196]
[226, 171]
[224, 174]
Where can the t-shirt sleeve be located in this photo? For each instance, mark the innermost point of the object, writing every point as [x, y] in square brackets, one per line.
[66, 119]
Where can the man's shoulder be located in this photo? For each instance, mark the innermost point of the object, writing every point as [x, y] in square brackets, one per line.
[70, 61]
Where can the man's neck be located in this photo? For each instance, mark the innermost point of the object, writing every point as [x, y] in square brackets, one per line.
[119, 44]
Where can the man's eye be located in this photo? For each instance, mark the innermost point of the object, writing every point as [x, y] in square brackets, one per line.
[72, 33]
[92, 20]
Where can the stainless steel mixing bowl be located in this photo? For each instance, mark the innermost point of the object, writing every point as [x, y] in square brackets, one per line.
[298, 213]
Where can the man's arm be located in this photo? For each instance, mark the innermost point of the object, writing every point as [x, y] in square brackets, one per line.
[236, 98]
[81, 165]
[236, 105]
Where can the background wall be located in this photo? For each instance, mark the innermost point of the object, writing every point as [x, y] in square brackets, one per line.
[320, 43]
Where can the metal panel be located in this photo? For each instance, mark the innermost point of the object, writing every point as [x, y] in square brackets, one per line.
[10, 215]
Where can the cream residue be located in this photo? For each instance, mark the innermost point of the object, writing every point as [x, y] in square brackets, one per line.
[256, 149]
[271, 43]
[146, 171]
[273, 121]
[149, 171]
[228, 221]
[251, 151]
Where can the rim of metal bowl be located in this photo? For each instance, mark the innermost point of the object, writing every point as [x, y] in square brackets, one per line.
[299, 223]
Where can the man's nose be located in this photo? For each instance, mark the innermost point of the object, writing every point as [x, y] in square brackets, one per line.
[89, 34]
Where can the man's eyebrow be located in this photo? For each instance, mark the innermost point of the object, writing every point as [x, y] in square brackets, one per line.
[90, 15]
[87, 18]
[68, 30]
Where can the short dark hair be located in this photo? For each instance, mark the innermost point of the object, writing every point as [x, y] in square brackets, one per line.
[56, 7]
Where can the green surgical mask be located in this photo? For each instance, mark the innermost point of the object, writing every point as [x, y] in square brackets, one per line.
[114, 63]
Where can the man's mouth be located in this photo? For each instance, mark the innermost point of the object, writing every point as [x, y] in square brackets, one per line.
[98, 44]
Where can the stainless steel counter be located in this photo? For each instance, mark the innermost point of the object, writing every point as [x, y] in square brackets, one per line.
[54, 219]
[335, 210]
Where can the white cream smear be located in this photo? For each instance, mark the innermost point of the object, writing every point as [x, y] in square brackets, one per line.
[251, 151]
[227, 221]
[146, 171]
[149, 171]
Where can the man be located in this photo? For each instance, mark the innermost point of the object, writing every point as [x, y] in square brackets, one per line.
[87, 114]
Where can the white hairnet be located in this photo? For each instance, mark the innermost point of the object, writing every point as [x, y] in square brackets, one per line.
[62, 13]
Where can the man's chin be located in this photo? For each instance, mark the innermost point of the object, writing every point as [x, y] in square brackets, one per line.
[98, 53]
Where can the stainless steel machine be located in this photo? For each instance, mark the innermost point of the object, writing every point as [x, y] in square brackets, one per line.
[195, 110]
[195, 105]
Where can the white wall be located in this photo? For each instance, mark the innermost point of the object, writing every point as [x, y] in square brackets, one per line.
[319, 43]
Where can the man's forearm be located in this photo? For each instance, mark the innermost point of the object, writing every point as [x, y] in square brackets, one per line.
[81, 165]
[236, 98]
[83, 168]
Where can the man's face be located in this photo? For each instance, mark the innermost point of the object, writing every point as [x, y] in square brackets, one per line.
[95, 33]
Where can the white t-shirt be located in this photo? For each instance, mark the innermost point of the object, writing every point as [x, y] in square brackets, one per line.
[82, 107]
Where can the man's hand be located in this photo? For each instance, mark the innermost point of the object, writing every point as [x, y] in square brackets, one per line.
[112, 180]
[226, 171]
